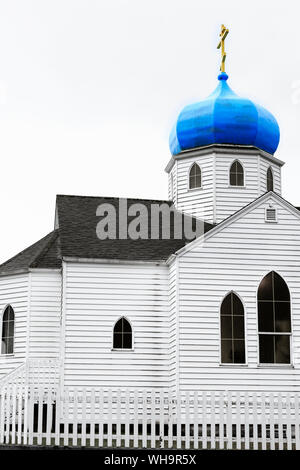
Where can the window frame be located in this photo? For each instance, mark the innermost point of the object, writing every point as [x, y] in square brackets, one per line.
[270, 169]
[113, 332]
[233, 364]
[188, 177]
[268, 221]
[244, 175]
[14, 332]
[289, 334]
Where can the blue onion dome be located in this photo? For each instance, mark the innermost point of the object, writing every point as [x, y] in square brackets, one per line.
[224, 118]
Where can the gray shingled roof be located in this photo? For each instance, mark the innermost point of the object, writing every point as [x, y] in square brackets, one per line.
[43, 254]
[76, 237]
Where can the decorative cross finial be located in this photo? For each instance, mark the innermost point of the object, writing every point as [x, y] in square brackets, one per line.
[223, 34]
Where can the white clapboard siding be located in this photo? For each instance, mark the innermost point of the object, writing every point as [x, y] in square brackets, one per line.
[216, 200]
[230, 199]
[14, 291]
[173, 325]
[264, 164]
[172, 184]
[45, 313]
[237, 258]
[197, 202]
[95, 297]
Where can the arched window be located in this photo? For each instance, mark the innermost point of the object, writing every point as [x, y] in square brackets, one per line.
[8, 331]
[195, 177]
[236, 174]
[270, 182]
[232, 330]
[274, 320]
[122, 334]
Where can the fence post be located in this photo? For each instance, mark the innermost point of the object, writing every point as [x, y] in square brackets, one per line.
[246, 422]
[280, 425]
[127, 417]
[93, 418]
[83, 417]
[20, 401]
[204, 420]
[297, 423]
[222, 408]
[109, 418]
[162, 418]
[135, 423]
[196, 421]
[255, 422]
[264, 422]
[187, 420]
[272, 423]
[212, 421]
[7, 412]
[75, 416]
[170, 419]
[2, 415]
[144, 420]
[57, 415]
[178, 419]
[101, 418]
[66, 414]
[118, 423]
[40, 414]
[49, 416]
[30, 414]
[229, 421]
[288, 422]
[14, 414]
[153, 419]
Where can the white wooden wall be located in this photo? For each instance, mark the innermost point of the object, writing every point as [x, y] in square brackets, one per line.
[172, 184]
[14, 291]
[95, 297]
[237, 258]
[173, 301]
[45, 313]
[197, 202]
[264, 164]
[230, 199]
[216, 200]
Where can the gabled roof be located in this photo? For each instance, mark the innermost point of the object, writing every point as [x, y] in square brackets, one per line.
[76, 237]
[77, 221]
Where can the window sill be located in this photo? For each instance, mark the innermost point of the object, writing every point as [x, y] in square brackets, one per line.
[236, 187]
[195, 189]
[275, 366]
[233, 365]
[7, 355]
[123, 349]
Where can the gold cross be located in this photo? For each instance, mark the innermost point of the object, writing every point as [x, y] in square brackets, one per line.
[223, 34]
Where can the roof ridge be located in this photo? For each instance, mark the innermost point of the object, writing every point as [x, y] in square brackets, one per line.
[113, 197]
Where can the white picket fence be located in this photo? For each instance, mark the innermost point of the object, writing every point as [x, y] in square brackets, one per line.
[32, 415]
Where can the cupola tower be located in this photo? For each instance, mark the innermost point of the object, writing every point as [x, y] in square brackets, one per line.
[222, 152]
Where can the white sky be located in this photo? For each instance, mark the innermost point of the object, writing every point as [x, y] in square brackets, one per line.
[89, 90]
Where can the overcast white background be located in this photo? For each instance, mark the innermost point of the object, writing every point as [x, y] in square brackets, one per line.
[89, 90]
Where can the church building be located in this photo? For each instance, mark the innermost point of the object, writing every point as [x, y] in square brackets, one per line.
[219, 312]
